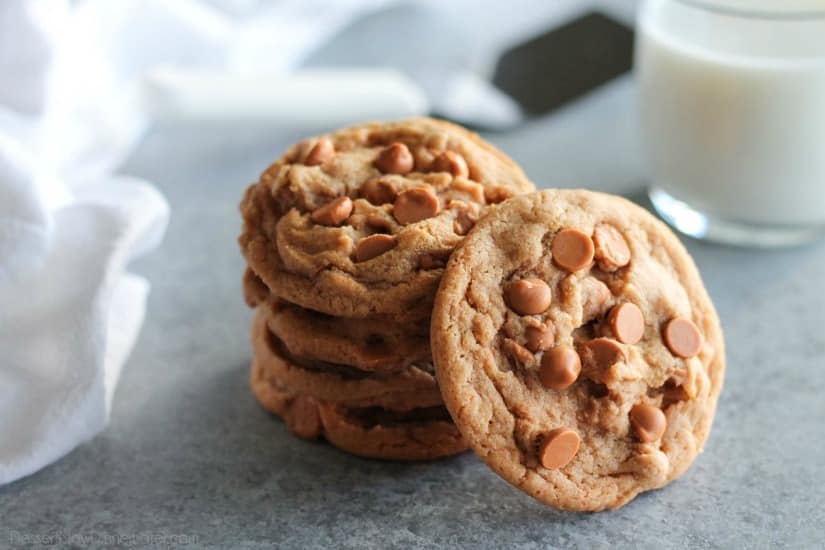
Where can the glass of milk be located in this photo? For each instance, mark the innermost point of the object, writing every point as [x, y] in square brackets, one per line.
[732, 104]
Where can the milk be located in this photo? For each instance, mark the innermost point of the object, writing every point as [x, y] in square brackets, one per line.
[733, 110]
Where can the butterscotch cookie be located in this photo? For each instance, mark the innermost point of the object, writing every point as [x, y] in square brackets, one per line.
[360, 222]
[577, 348]
[422, 433]
[409, 387]
[366, 344]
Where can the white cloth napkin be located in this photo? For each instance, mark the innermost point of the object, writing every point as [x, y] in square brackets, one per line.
[69, 310]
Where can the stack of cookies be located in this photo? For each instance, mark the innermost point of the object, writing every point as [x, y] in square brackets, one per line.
[414, 297]
[346, 238]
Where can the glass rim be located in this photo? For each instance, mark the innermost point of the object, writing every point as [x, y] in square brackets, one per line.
[778, 13]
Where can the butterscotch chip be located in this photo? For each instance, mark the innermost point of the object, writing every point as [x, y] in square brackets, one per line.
[395, 159]
[602, 353]
[451, 162]
[528, 296]
[322, 152]
[682, 337]
[414, 205]
[373, 246]
[572, 249]
[539, 338]
[611, 250]
[558, 448]
[505, 409]
[560, 367]
[379, 191]
[648, 422]
[627, 322]
[333, 213]
[315, 266]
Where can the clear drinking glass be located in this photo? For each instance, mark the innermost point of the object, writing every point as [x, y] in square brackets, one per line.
[732, 105]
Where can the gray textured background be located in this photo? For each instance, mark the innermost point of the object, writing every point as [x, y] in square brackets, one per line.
[190, 453]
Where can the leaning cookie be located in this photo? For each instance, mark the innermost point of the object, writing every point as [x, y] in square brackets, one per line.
[360, 222]
[412, 386]
[423, 433]
[577, 349]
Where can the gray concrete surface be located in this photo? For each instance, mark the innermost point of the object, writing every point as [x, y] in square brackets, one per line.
[190, 455]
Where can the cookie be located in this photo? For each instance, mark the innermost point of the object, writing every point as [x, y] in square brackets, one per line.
[420, 434]
[410, 387]
[373, 432]
[360, 222]
[366, 344]
[577, 349]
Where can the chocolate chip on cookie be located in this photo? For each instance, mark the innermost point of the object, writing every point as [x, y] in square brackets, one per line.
[577, 418]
